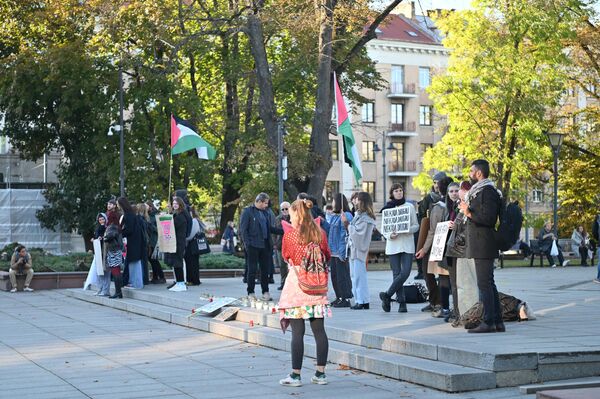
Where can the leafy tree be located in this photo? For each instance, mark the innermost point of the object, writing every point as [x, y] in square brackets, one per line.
[507, 69]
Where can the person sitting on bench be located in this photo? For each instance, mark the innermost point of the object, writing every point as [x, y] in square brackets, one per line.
[20, 263]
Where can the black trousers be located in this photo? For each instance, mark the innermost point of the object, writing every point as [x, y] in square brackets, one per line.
[192, 268]
[453, 287]
[560, 257]
[583, 253]
[488, 293]
[258, 257]
[340, 277]
[157, 272]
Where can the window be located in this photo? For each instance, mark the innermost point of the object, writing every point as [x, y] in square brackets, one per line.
[397, 113]
[367, 112]
[425, 115]
[537, 195]
[369, 187]
[331, 189]
[397, 155]
[367, 151]
[333, 145]
[397, 79]
[424, 77]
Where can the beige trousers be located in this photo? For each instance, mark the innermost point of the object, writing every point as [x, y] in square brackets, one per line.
[12, 274]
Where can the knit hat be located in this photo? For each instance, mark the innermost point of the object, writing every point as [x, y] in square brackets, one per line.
[439, 176]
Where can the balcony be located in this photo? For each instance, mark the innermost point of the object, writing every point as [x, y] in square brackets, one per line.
[406, 129]
[398, 168]
[398, 90]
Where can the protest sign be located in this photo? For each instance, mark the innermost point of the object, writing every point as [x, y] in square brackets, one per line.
[215, 305]
[395, 220]
[166, 233]
[439, 242]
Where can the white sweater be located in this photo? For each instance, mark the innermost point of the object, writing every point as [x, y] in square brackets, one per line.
[404, 242]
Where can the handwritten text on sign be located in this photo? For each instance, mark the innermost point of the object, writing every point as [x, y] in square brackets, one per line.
[395, 220]
[439, 241]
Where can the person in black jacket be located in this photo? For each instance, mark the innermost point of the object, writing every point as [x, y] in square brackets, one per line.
[175, 260]
[596, 235]
[158, 277]
[481, 207]
[256, 230]
[132, 231]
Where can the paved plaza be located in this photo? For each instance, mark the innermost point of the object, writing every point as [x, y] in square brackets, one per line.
[55, 346]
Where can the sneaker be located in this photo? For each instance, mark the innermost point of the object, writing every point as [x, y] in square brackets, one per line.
[13, 290]
[290, 381]
[27, 289]
[427, 308]
[553, 266]
[597, 281]
[565, 263]
[179, 287]
[320, 380]
[266, 297]
[344, 303]
[335, 301]
[440, 313]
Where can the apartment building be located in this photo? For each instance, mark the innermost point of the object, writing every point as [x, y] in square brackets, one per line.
[395, 127]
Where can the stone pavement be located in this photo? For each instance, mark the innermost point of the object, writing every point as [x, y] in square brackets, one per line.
[53, 346]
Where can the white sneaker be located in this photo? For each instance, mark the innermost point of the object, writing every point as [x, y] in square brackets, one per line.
[565, 263]
[266, 297]
[179, 287]
[322, 380]
[291, 382]
[553, 266]
[27, 289]
[594, 280]
[13, 290]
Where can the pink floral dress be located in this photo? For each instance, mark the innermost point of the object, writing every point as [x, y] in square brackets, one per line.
[294, 303]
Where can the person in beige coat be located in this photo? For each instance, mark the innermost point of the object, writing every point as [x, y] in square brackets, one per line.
[20, 263]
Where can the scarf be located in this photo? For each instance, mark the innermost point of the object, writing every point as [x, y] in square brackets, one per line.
[478, 187]
[394, 203]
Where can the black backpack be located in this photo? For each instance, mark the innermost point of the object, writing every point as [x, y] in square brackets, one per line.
[511, 220]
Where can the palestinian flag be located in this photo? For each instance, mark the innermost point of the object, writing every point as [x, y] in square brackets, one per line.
[184, 137]
[351, 154]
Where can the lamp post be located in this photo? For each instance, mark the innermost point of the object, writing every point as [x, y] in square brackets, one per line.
[121, 139]
[383, 153]
[556, 140]
[281, 158]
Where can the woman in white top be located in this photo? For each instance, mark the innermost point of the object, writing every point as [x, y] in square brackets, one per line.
[580, 243]
[400, 247]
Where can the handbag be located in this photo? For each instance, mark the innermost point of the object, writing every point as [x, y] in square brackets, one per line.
[201, 244]
[415, 293]
[554, 249]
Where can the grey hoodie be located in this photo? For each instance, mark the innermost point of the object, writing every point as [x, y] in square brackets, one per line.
[361, 229]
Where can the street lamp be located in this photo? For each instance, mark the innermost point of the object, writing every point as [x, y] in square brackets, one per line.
[556, 140]
[377, 149]
[121, 140]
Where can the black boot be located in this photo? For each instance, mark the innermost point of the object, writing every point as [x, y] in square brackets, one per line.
[118, 285]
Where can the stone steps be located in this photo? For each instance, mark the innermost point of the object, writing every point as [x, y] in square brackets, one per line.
[429, 372]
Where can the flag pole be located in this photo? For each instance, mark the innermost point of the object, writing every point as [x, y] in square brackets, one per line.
[170, 173]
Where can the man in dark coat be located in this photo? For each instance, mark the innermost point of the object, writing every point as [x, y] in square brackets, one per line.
[481, 207]
[256, 230]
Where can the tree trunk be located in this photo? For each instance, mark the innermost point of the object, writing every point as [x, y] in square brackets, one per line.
[319, 139]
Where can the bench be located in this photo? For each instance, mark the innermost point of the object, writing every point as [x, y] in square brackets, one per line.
[376, 250]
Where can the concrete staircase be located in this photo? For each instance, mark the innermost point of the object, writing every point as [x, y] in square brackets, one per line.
[441, 367]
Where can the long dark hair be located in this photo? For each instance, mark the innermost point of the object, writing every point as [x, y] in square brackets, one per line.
[341, 203]
[125, 205]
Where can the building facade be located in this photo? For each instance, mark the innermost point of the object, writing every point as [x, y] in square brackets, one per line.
[395, 127]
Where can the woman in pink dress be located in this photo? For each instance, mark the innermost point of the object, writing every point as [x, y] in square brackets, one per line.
[295, 305]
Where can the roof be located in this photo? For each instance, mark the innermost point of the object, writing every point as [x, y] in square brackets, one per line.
[400, 28]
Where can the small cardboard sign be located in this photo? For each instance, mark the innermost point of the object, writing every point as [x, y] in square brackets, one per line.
[166, 233]
[439, 241]
[215, 305]
[227, 314]
[396, 220]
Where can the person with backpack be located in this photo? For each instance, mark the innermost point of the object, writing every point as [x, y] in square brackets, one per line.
[482, 207]
[400, 248]
[304, 247]
[360, 232]
[423, 208]
[337, 239]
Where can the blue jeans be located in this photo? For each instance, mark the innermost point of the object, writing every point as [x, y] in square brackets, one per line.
[105, 283]
[401, 265]
[360, 287]
[135, 274]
